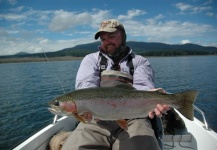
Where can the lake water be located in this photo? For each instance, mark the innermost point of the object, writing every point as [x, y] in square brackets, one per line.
[26, 88]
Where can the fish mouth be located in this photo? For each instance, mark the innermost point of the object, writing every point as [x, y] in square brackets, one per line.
[62, 108]
[57, 111]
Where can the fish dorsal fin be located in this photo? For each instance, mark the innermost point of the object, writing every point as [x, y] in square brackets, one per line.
[125, 86]
[117, 73]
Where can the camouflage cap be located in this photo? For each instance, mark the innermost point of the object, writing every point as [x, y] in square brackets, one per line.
[109, 26]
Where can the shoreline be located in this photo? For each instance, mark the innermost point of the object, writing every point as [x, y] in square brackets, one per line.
[67, 58]
[37, 59]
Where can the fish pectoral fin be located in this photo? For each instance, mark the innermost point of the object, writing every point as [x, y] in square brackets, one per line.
[79, 117]
[123, 124]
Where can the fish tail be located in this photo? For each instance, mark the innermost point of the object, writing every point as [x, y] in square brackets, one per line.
[187, 109]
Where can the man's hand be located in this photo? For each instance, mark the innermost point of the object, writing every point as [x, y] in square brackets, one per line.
[158, 111]
[87, 116]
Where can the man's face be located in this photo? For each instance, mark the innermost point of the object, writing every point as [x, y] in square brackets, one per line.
[110, 42]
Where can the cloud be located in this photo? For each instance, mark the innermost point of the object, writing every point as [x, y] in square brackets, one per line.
[12, 17]
[208, 2]
[26, 14]
[185, 41]
[28, 28]
[159, 30]
[206, 7]
[43, 41]
[211, 14]
[33, 30]
[12, 45]
[186, 8]
[168, 28]
[17, 9]
[154, 19]
[12, 2]
[98, 16]
[131, 14]
[183, 7]
[3, 33]
[63, 20]
[54, 45]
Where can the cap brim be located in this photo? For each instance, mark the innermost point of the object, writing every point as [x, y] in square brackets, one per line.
[97, 35]
[104, 30]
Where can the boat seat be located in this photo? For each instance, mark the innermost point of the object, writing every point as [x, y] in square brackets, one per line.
[178, 142]
[177, 138]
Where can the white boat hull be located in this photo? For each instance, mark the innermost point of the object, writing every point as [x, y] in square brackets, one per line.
[194, 136]
[41, 139]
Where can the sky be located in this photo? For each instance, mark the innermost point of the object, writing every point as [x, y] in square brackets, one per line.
[34, 26]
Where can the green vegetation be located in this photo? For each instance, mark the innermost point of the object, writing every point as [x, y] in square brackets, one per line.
[176, 53]
[142, 48]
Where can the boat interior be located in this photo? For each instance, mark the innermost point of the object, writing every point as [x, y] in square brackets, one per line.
[195, 136]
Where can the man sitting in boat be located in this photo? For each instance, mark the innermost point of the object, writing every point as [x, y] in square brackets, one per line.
[115, 64]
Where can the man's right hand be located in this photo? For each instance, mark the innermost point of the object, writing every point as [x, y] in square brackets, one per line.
[87, 116]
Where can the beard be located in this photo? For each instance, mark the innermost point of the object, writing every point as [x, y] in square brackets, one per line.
[114, 52]
[111, 49]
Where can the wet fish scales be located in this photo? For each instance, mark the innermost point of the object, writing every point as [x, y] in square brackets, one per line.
[114, 103]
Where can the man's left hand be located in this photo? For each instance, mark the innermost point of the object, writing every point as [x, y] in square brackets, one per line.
[158, 111]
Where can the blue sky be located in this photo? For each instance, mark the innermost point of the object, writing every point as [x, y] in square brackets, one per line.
[51, 25]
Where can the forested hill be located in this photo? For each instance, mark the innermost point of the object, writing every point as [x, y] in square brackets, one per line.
[142, 48]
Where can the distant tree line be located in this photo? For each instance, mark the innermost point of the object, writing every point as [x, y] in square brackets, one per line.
[176, 53]
[142, 48]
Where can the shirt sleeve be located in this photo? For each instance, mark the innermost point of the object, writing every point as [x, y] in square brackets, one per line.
[88, 72]
[143, 78]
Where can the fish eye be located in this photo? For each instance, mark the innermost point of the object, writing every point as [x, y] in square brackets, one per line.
[56, 103]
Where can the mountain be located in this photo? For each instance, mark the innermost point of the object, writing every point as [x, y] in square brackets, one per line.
[22, 53]
[142, 48]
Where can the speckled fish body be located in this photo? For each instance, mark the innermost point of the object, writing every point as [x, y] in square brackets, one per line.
[116, 103]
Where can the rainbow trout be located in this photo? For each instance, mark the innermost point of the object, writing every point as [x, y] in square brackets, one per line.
[119, 103]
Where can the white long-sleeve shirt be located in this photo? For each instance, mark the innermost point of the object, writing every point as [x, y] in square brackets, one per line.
[88, 74]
